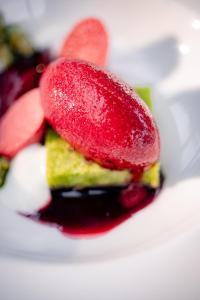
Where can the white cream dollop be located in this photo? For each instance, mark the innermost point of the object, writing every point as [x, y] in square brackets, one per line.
[26, 189]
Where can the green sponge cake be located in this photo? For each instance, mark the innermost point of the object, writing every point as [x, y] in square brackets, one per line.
[4, 166]
[151, 177]
[68, 168]
[145, 94]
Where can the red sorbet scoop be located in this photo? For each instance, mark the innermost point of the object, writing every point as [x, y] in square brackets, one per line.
[87, 41]
[99, 115]
[22, 124]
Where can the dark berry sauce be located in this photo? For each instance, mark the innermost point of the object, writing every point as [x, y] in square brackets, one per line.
[95, 210]
[21, 77]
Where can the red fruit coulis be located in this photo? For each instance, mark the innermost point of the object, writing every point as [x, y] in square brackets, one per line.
[94, 211]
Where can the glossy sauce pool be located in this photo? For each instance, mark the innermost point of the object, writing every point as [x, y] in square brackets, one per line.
[94, 211]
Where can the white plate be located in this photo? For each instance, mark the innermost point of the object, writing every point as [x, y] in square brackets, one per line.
[153, 43]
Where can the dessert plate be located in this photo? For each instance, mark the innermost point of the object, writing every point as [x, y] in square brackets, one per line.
[156, 44]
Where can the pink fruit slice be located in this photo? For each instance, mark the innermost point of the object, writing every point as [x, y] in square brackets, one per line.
[88, 41]
[22, 124]
[99, 115]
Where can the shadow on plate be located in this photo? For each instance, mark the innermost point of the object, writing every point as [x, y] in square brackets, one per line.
[148, 65]
[180, 135]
